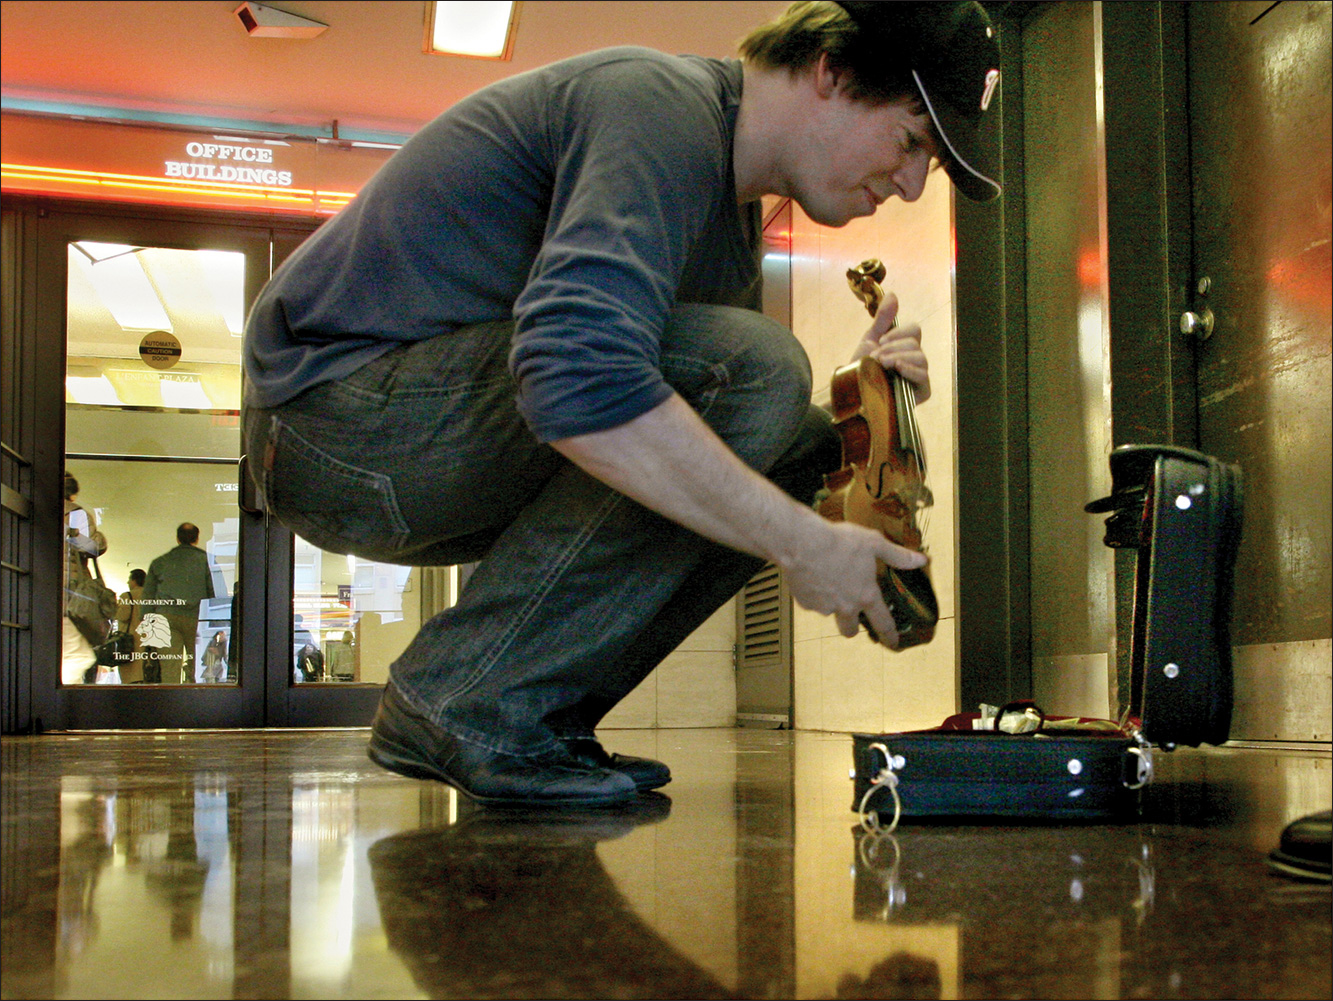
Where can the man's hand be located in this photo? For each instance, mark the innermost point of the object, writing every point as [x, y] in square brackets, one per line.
[842, 578]
[897, 348]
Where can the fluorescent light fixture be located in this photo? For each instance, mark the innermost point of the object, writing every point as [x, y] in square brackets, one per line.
[483, 29]
[184, 393]
[115, 272]
[224, 272]
[96, 390]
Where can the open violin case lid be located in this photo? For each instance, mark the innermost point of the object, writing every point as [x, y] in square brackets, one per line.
[1181, 510]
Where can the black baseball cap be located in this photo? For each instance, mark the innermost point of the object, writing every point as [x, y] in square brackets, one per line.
[954, 55]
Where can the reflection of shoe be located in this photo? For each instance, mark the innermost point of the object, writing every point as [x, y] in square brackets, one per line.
[646, 773]
[515, 904]
[404, 741]
[515, 825]
[1305, 848]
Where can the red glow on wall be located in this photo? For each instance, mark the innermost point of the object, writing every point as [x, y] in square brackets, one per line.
[1304, 280]
[1090, 268]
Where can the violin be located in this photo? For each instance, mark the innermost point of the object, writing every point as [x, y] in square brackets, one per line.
[882, 482]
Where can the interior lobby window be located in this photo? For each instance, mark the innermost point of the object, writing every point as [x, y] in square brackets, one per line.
[352, 617]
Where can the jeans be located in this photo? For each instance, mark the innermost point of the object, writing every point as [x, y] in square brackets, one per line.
[420, 458]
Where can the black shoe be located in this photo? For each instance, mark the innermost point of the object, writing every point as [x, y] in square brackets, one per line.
[646, 773]
[404, 741]
[1305, 848]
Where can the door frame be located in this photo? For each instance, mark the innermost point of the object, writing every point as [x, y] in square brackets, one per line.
[1149, 236]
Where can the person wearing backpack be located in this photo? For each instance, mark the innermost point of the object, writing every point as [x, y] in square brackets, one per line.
[83, 542]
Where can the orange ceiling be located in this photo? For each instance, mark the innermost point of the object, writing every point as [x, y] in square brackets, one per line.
[367, 71]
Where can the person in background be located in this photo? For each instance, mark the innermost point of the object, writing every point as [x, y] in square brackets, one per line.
[341, 661]
[310, 663]
[128, 617]
[215, 658]
[83, 541]
[177, 582]
[233, 649]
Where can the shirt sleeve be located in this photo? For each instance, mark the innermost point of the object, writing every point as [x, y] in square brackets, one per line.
[642, 157]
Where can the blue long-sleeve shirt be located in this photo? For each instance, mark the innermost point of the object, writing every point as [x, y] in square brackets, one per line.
[582, 200]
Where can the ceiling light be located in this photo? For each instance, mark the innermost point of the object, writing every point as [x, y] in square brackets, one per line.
[224, 273]
[115, 271]
[95, 390]
[482, 29]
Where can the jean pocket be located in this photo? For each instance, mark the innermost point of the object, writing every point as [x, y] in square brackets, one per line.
[337, 506]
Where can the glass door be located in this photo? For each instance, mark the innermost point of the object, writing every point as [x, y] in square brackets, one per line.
[152, 405]
[153, 313]
[220, 616]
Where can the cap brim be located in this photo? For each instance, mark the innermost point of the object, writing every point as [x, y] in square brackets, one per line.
[969, 164]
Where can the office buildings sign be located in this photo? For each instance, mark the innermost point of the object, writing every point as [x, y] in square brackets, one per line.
[239, 161]
[123, 162]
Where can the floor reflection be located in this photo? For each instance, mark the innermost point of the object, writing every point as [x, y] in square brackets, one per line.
[506, 905]
[283, 864]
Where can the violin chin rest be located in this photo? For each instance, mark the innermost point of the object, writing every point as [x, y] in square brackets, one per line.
[910, 596]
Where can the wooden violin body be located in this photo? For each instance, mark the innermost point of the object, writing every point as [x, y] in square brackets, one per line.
[881, 484]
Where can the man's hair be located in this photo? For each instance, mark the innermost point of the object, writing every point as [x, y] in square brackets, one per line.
[187, 534]
[71, 486]
[796, 39]
[137, 577]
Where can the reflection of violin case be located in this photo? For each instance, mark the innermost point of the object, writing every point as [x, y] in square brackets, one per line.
[1182, 511]
[925, 879]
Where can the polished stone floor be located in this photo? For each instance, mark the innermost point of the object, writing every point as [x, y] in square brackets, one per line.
[277, 864]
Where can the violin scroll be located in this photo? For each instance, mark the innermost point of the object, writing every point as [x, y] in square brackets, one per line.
[864, 280]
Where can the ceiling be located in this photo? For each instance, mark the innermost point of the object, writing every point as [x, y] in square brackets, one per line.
[367, 71]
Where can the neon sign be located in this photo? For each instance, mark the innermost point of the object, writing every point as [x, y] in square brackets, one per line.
[229, 174]
[131, 163]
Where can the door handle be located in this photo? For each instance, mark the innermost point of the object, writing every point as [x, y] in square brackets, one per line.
[247, 488]
[1198, 325]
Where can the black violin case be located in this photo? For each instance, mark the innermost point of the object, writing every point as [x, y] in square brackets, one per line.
[1181, 510]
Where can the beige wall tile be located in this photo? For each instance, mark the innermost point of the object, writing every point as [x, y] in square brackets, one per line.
[1073, 685]
[696, 683]
[921, 683]
[853, 682]
[716, 634]
[696, 688]
[808, 683]
[638, 709]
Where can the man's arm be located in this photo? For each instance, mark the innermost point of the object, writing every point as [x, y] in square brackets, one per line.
[670, 461]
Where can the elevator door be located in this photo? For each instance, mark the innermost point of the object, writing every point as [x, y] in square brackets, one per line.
[1260, 134]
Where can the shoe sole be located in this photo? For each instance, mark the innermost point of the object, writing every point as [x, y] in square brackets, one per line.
[648, 785]
[396, 758]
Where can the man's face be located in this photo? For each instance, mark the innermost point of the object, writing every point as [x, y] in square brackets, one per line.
[863, 155]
